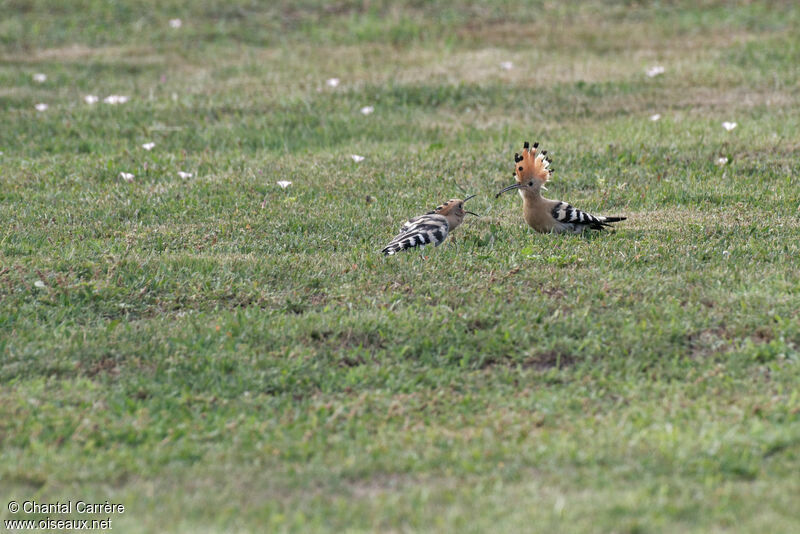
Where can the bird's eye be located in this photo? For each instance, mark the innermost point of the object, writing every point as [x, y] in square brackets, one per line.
[520, 167]
[530, 183]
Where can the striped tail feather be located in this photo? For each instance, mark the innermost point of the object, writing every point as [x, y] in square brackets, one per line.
[612, 219]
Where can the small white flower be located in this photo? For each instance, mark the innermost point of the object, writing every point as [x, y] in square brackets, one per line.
[128, 177]
[175, 23]
[729, 125]
[332, 82]
[284, 184]
[185, 175]
[655, 117]
[726, 253]
[41, 107]
[115, 99]
[366, 110]
[39, 283]
[148, 146]
[654, 71]
[722, 161]
[39, 77]
[559, 505]
[506, 65]
[357, 158]
[90, 99]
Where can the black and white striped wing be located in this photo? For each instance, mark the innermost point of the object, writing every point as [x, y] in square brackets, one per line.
[575, 220]
[419, 231]
[409, 223]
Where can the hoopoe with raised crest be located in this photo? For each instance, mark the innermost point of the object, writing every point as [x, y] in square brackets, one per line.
[433, 227]
[544, 215]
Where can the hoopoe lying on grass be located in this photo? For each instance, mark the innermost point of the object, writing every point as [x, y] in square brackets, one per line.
[432, 227]
[541, 214]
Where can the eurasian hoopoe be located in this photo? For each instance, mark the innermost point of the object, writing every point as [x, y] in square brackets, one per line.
[432, 227]
[541, 214]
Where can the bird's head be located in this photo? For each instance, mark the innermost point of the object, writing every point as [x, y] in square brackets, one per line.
[531, 169]
[454, 210]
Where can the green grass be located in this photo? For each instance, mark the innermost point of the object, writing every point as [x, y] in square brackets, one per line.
[220, 354]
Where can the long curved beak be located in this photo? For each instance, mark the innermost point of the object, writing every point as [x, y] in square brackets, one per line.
[471, 213]
[509, 188]
[469, 197]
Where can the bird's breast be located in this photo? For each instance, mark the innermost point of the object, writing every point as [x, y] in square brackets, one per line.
[537, 215]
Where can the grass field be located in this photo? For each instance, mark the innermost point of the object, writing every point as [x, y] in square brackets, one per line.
[218, 353]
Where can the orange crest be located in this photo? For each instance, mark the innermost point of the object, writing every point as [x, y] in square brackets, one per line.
[532, 164]
[447, 207]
